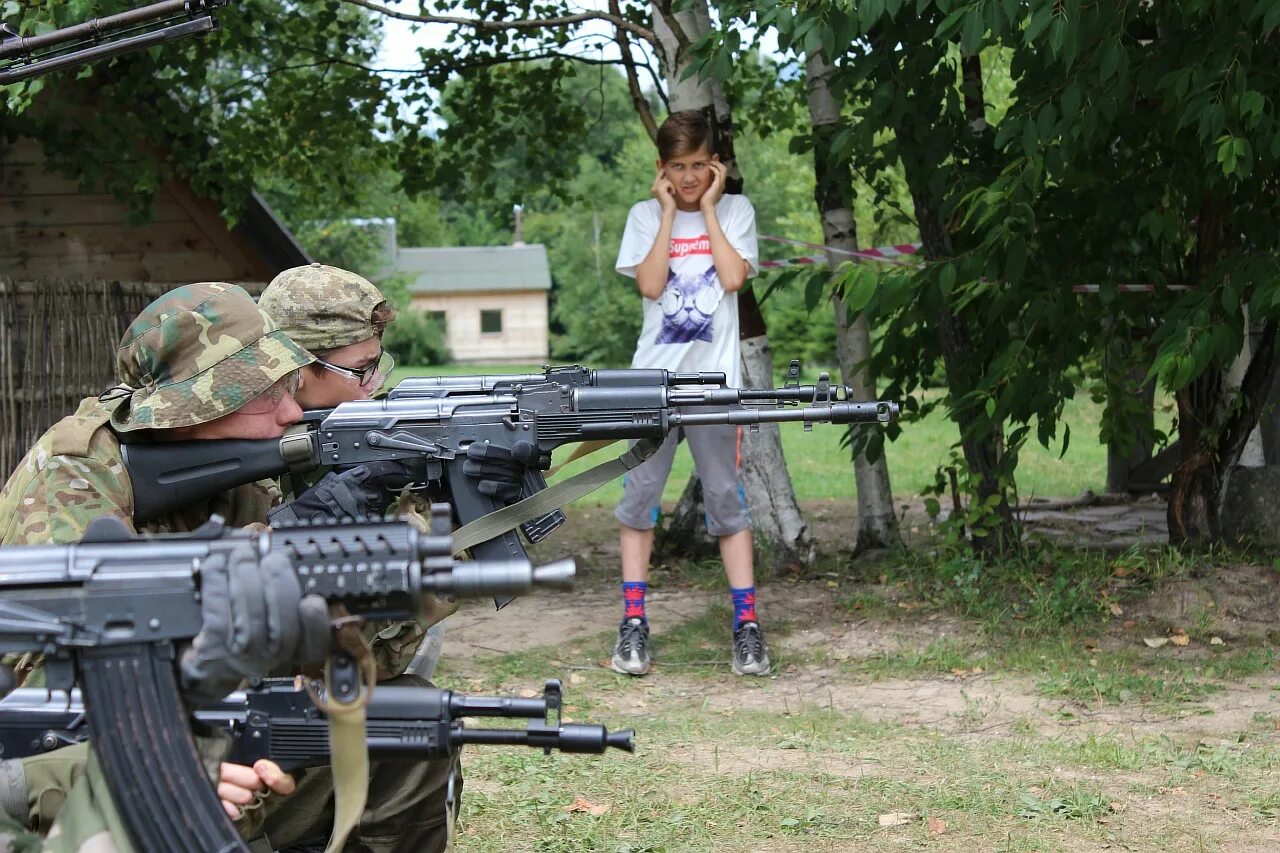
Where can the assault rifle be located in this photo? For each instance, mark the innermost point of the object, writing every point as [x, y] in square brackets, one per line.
[431, 423]
[24, 57]
[107, 612]
[276, 718]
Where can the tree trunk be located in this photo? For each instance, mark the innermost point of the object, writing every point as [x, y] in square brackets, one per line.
[774, 513]
[877, 522]
[1214, 425]
[981, 449]
[770, 494]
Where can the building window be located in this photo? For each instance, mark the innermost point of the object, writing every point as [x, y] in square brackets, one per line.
[491, 322]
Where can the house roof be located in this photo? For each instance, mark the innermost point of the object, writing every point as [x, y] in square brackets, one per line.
[469, 269]
[279, 249]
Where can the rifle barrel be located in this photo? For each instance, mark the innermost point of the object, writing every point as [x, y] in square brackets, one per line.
[570, 737]
[836, 413]
[106, 50]
[99, 27]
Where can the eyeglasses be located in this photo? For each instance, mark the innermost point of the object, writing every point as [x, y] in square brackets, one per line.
[368, 377]
[270, 399]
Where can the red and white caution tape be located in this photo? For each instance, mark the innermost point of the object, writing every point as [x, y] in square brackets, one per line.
[890, 254]
[808, 260]
[1128, 288]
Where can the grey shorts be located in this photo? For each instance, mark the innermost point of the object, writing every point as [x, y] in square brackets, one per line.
[717, 458]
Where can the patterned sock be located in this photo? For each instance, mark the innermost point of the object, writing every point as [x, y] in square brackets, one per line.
[744, 605]
[633, 600]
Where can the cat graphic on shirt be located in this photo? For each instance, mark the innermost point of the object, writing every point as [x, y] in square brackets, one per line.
[688, 307]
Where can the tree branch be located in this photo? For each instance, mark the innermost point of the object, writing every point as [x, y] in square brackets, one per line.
[618, 21]
[638, 99]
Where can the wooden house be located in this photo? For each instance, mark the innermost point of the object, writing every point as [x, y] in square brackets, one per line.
[74, 271]
[51, 226]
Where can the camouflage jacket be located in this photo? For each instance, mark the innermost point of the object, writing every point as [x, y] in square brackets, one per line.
[74, 474]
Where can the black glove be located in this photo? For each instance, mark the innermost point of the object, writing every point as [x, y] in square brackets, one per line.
[501, 470]
[357, 493]
[255, 619]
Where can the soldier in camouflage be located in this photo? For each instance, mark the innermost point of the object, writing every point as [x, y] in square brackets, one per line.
[200, 362]
[339, 317]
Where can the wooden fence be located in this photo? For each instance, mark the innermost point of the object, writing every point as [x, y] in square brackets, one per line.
[58, 345]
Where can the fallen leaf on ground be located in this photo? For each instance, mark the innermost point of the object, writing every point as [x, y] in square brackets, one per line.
[1180, 639]
[1130, 623]
[1116, 609]
[1215, 641]
[1155, 642]
[529, 693]
[581, 804]
[896, 818]
[1122, 572]
[936, 825]
[1117, 806]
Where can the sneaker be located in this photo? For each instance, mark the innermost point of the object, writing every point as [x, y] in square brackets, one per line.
[749, 654]
[631, 652]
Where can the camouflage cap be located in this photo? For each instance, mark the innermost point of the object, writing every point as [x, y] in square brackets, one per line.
[322, 307]
[197, 353]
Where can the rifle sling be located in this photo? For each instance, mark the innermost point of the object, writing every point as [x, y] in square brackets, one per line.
[553, 497]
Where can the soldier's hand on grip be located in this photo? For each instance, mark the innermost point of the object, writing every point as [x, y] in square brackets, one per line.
[255, 619]
[357, 493]
[500, 471]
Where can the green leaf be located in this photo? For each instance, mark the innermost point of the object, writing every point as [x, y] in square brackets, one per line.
[1271, 20]
[1110, 60]
[1015, 261]
[947, 278]
[813, 290]
[1071, 97]
[864, 287]
[974, 30]
[950, 23]
[990, 408]
[1057, 32]
[1040, 19]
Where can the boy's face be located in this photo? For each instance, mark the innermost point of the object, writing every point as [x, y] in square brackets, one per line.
[690, 174]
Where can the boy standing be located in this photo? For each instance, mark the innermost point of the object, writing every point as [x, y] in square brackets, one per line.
[690, 249]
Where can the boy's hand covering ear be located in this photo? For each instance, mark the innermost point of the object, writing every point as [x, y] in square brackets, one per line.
[664, 191]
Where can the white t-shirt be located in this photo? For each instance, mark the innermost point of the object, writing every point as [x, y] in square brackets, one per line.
[694, 325]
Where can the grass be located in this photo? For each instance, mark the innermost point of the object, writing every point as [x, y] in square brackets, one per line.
[715, 774]
[819, 465]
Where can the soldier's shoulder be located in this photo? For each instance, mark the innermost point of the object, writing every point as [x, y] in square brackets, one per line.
[83, 433]
[70, 476]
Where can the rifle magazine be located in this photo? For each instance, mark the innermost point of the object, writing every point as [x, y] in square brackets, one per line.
[140, 732]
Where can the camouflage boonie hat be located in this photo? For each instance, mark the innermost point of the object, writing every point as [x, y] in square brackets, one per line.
[322, 307]
[197, 353]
